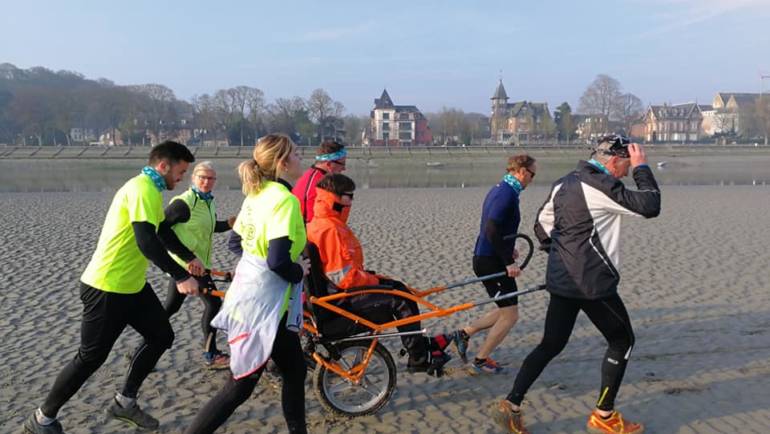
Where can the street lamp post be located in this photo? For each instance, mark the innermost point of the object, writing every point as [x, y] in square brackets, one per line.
[764, 111]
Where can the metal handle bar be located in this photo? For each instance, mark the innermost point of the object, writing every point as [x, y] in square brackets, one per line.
[383, 335]
[523, 265]
[511, 295]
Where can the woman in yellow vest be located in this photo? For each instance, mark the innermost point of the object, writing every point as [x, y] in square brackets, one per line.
[193, 217]
[262, 311]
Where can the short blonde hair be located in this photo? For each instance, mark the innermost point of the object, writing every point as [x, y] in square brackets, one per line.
[269, 153]
[204, 166]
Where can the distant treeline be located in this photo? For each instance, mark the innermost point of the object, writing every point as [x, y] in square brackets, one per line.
[44, 107]
[39, 106]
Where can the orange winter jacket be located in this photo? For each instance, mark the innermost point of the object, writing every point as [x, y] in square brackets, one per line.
[339, 249]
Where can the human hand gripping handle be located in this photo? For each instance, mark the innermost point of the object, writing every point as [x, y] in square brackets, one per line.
[637, 154]
[188, 286]
[512, 270]
[305, 264]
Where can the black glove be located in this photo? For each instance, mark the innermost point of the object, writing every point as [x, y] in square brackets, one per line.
[206, 283]
[546, 246]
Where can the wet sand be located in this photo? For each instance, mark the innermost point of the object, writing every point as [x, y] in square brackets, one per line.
[695, 281]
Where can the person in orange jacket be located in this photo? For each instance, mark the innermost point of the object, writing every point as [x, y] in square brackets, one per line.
[343, 264]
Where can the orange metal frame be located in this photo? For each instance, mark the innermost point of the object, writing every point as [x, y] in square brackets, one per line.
[226, 275]
[357, 372]
[434, 311]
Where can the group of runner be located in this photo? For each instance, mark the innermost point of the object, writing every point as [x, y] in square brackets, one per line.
[262, 313]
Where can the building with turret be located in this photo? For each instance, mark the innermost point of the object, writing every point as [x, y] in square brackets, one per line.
[520, 121]
[396, 125]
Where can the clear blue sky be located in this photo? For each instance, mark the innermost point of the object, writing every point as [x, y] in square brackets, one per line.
[427, 53]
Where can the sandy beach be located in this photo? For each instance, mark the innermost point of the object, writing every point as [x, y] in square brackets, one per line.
[695, 280]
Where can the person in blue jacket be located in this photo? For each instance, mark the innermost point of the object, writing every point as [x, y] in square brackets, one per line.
[493, 253]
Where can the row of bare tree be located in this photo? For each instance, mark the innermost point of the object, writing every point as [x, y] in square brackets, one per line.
[244, 113]
[41, 106]
[604, 97]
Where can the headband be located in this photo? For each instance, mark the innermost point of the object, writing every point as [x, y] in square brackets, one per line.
[334, 156]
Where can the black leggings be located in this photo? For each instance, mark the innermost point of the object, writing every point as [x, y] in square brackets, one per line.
[288, 357]
[609, 315]
[211, 306]
[105, 315]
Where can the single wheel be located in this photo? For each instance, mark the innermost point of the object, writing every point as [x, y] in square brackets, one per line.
[341, 396]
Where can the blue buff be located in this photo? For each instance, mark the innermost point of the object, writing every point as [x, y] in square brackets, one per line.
[157, 178]
[334, 156]
[599, 166]
[209, 196]
[513, 182]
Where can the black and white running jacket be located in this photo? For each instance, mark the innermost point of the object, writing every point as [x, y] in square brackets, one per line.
[579, 224]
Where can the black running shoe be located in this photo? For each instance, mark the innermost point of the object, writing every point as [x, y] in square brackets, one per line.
[32, 426]
[438, 359]
[133, 415]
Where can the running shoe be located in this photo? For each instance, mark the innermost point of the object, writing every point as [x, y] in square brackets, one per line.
[615, 424]
[32, 426]
[461, 339]
[216, 360]
[438, 359]
[511, 421]
[486, 366]
[434, 365]
[132, 415]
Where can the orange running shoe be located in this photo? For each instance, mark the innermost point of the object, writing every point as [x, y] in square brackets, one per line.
[510, 421]
[485, 366]
[615, 424]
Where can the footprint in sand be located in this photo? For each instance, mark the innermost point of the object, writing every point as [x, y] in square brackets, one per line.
[684, 388]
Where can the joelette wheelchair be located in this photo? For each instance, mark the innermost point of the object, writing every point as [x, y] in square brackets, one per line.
[353, 373]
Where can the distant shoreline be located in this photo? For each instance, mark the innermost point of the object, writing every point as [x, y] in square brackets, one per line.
[423, 152]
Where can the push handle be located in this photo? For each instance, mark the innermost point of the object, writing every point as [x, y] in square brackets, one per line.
[530, 246]
[527, 257]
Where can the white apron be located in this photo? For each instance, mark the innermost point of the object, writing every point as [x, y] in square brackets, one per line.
[252, 311]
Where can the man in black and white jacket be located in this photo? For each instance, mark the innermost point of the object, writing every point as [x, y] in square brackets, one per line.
[579, 225]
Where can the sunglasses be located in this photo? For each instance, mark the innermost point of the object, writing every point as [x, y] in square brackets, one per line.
[531, 173]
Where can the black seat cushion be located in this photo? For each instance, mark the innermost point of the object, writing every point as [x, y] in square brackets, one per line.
[330, 324]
